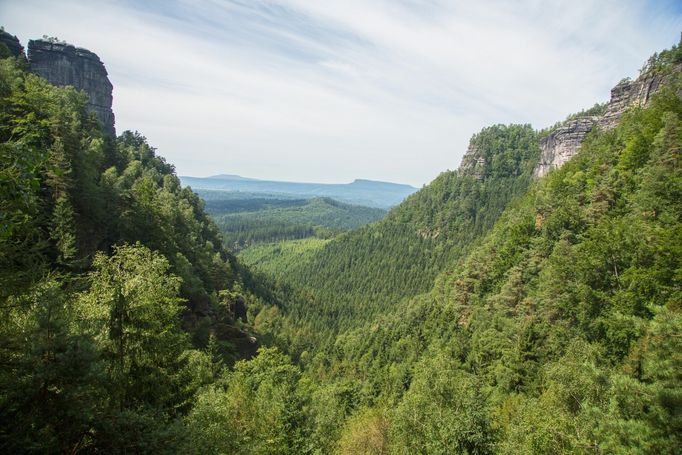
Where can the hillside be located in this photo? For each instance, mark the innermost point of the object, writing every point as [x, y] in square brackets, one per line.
[274, 259]
[368, 193]
[528, 303]
[556, 333]
[249, 221]
[368, 270]
[114, 280]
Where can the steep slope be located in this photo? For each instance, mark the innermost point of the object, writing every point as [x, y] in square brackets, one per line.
[557, 332]
[563, 141]
[117, 299]
[83, 194]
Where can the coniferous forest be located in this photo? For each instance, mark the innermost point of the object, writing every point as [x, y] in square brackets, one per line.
[490, 312]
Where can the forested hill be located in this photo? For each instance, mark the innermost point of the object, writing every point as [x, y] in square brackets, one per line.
[488, 313]
[117, 298]
[369, 269]
[557, 332]
[246, 222]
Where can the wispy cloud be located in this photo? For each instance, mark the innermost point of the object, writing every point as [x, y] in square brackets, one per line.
[331, 91]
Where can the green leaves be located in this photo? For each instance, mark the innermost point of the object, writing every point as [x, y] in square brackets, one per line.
[132, 310]
[443, 412]
[258, 410]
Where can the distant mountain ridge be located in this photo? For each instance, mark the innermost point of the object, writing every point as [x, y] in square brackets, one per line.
[369, 193]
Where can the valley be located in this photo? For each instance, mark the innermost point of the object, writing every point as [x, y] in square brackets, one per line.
[528, 302]
[245, 219]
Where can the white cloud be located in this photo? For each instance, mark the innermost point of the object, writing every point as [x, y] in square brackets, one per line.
[331, 91]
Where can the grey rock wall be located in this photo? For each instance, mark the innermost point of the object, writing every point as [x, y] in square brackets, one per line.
[63, 64]
[473, 163]
[564, 142]
[627, 94]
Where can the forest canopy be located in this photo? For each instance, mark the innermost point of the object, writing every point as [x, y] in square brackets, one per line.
[488, 313]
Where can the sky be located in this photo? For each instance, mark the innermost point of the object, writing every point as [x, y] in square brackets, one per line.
[334, 90]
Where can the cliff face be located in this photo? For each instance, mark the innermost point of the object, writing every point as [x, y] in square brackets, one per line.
[563, 143]
[473, 163]
[12, 43]
[626, 94]
[64, 64]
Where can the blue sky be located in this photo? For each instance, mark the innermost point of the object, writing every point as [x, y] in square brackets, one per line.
[330, 91]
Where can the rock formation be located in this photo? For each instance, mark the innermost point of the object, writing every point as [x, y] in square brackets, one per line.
[473, 163]
[12, 43]
[627, 94]
[64, 64]
[563, 143]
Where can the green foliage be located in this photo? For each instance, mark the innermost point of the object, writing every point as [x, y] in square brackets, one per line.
[369, 270]
[553, 332]
[443, 412]
[47, 398]
[131, 310]
[663, 61]
[365, 433]
[486, 314]
[256, 410]
[104, 260]
[276, 258]
[269, 220]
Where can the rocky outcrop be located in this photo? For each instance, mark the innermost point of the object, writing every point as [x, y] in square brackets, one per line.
[63, 64]
[12, 43]
[473, 163]
[562, 144]
[627, 94]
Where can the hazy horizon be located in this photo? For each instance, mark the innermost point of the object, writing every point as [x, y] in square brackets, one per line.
[304, 91]
[248, 177]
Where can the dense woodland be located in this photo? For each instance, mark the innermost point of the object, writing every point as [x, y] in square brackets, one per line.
[245, 220]
[117, 296]
[367, 269]
[488, 313]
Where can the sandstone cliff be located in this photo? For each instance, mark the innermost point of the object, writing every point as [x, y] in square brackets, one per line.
[627, 94]
[473, 163]
[563, 143]
[64, 64]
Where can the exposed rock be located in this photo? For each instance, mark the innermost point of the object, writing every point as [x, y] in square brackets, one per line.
[63, 64]
[627, 94]
[562, 144]
[473, 163]
[12, 43]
